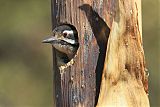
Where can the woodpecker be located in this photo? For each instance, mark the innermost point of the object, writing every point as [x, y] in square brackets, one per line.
[65, 41]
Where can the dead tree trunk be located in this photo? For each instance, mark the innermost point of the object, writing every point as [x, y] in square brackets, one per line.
[124, 79]
[77, 84]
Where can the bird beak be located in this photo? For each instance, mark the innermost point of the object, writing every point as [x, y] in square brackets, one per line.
[50, 39]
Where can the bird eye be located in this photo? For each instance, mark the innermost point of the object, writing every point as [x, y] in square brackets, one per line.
[65, 34]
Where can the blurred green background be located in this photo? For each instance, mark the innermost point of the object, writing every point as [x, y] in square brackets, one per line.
[26, 63]
[151, 42]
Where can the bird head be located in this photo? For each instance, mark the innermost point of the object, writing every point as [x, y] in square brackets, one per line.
[64, 40]
[63, 34]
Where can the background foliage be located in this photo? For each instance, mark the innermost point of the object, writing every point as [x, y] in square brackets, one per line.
[26, 63]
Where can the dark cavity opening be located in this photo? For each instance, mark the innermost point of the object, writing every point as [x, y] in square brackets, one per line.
[101, 31]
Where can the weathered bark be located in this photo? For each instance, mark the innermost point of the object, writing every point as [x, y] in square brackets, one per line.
[124, 80]
[75, 83]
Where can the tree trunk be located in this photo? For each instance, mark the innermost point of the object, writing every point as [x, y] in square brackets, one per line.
[75, 83]
[121, 58]
[124, 80]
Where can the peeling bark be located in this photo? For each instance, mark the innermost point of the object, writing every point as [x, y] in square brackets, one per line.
[110, 34]
[124, 81]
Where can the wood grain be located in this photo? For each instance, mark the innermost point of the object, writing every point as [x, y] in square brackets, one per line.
[78, 83]
[124, 81]
[110, 38]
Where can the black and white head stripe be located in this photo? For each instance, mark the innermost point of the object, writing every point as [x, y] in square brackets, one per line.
[61, 28]
[71, 41]
[70, 37]
[66, 27]
[68, 32]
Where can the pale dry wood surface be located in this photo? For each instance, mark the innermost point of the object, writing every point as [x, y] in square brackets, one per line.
[124, 81]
